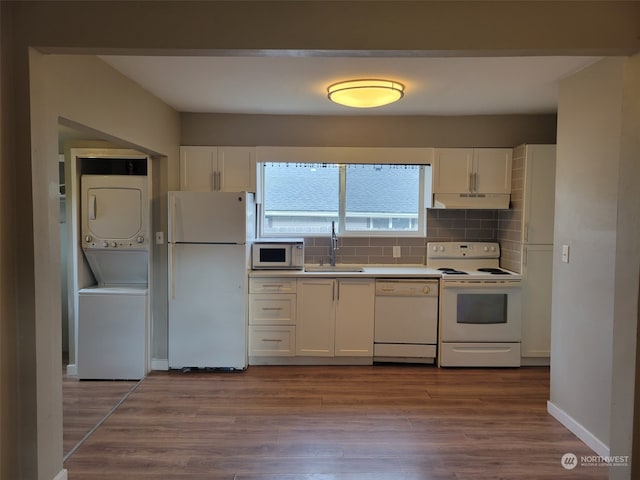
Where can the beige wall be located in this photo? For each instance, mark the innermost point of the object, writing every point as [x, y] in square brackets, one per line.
[33, 443]
[627, 264]
[85, 91]
[8, 390]
[367, 131]
[595, 295]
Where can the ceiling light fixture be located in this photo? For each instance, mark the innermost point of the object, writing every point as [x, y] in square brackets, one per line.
[365, 93]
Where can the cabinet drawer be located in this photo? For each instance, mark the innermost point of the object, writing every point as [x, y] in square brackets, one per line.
[272, 309]
[272, 341]
[272, 285]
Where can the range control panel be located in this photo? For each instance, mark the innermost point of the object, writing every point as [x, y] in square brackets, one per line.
[463, 250]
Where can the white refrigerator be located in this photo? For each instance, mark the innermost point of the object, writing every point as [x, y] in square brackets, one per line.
[209, 236]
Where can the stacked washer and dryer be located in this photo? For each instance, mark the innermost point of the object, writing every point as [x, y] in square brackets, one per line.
[113, 314]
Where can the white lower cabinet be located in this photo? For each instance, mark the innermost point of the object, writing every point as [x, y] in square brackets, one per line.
[316, 311]
[272, 340]
[536, 300]
[272, 317]
[335, 317]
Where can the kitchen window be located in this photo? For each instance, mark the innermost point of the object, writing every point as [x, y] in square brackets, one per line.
[363, 199]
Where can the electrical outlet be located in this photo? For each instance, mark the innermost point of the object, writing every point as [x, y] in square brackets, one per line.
[396, 251]
[159, 238]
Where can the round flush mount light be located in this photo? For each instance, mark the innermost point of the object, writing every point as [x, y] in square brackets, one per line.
[365, 93]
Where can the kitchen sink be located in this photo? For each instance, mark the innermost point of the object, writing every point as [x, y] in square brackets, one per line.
[333, 268]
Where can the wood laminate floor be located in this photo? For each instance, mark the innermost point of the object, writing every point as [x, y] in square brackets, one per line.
[334, 423]
[85, 404]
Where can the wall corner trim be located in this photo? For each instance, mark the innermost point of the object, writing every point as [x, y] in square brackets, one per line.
[577, 429]
[160, 364]
[62, 475]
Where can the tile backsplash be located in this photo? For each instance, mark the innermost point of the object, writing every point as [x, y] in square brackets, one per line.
[442, 226]
[510, 221]
[445, 225]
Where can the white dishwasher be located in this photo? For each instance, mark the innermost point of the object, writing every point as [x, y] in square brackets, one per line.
[406, 320]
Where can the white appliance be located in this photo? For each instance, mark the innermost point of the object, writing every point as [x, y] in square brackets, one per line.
[480, 306]
[209, 254]
[115, 217]
[113, 333]
[278, 254]
[469, 201]
[113, 316]
[406, 320]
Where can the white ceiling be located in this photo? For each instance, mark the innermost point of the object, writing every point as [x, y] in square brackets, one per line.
[297, 85]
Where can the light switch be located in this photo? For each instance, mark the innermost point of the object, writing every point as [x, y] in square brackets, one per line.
[159, 238]
[565, 253]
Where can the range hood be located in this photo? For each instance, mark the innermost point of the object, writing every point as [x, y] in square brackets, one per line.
[484, 201]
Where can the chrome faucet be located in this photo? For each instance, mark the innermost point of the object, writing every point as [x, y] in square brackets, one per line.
[334, 245]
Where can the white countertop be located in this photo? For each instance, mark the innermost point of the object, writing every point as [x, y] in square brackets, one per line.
[370, 271]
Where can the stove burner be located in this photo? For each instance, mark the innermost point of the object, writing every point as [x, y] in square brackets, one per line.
[493, 271]
[452, 270]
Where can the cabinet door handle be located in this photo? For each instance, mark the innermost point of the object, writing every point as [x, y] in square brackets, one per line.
[272, 285]
[277, 340]
[470, 182]
[272, 309]
[475, 182]
[526, 232]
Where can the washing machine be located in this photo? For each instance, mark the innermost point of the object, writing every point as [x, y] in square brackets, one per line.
[113, 333]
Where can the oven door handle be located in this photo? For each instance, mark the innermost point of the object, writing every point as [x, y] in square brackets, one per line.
[482, 284]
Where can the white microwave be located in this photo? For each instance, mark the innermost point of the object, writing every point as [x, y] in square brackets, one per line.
[278, 254]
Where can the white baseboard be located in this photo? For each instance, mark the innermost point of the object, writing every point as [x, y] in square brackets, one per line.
[72, 369]
[62, 475]
[159, 364]
[578, 430]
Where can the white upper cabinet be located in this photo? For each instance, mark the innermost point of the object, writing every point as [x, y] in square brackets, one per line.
[197, 167]
[492, 170]
[224, 169]
[539, 194]
[472, 170]
[237, 169]
[452, 170]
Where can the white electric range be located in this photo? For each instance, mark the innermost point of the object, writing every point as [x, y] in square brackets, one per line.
[480, 306]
